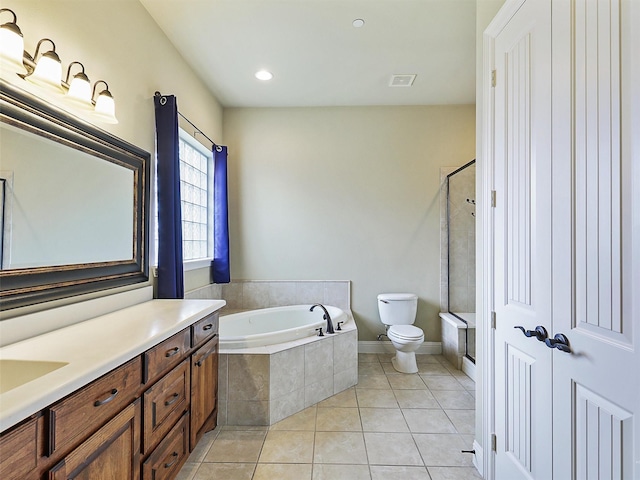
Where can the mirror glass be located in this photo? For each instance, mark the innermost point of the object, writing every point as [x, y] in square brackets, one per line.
[73, 204]
[62, 206]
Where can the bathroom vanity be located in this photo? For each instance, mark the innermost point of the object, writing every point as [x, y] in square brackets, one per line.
[126, 395]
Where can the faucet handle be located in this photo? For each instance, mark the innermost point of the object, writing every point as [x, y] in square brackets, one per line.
[338, 327]
[320, 334]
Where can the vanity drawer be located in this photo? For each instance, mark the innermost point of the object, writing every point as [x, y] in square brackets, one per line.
[74, 418]
[204, 329]
[166, 355]
[164, 403]
[170, 455]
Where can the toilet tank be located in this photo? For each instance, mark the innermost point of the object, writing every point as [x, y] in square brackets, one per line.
[397, 308]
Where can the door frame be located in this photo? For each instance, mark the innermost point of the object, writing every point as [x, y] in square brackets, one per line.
[485, 174]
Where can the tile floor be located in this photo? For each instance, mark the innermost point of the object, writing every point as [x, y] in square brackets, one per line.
[389, 426]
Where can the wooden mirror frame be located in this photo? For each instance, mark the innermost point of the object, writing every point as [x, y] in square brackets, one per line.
[27, 286]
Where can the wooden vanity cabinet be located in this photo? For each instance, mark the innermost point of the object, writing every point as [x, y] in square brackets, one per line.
[139, 421]
[204, 389]
[113, 452]
[20, 449]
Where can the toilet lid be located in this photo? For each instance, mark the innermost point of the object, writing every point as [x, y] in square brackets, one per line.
[406, 331]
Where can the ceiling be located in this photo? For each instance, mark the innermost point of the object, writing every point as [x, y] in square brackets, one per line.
[317, 57]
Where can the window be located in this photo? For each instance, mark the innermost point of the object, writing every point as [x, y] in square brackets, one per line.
[196, 187]
[196, 183]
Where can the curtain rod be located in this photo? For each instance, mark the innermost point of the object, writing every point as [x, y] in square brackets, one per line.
[218, 147]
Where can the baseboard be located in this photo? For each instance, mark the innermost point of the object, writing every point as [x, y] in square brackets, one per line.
[428, 348]
[478, 457]
[469, 368]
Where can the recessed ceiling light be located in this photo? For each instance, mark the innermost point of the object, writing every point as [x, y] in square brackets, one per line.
[358, 22]
[264, 75]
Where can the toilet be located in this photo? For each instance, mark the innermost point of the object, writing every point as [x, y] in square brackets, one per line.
[398, 312]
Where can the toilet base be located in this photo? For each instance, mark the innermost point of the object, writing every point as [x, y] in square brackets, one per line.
[405, 362]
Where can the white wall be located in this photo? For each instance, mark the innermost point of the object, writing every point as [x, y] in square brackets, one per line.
[345, 194]
[118, 41]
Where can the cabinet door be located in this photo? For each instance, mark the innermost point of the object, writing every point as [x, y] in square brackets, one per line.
[113, 452]
[204, 390]
[19, 452]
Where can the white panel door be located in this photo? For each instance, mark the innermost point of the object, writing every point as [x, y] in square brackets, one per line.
[522, 250]
[596, 239]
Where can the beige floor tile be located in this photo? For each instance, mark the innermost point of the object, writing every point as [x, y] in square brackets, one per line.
[406, 382]
[273, 471]
[236, 446]
[304, 420]
[323, 471]
[346, 398]
[455, 400]
[425, 358]
[466, 382]
[368, 358]
[188, 471]
[392, 449]
[370, 369]
[385, 357]
[432, 369]
[383, 420]
[340, 447]
[399, 473]
[287, 447]
[376, 398]
[443, 450]
[228, 471]
[442, 382]
[338, 420]
[388, 369]
[463, 420]
[454, 473]
[377, 382]
[203, 446]
[416, 399]
[422, 420]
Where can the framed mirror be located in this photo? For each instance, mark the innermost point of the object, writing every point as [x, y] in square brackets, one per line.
[73, 204]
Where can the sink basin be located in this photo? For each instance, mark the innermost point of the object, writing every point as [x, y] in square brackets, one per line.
[14, 373]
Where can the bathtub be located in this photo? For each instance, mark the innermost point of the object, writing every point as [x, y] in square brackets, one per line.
[273, 326]
[273, 364]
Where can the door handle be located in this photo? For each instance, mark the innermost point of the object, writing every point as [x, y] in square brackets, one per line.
[559, 341]
[540, 332]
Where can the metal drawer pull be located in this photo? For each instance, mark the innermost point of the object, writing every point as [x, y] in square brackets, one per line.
[174, 399]
[169, 465]
[172, 352]
[208, 326]
[99, 403]
[540, 332]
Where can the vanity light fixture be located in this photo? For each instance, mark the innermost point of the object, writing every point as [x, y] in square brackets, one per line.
[48, 71]
[11, 44]
[105, 107]
[80, 87]
[264, 75]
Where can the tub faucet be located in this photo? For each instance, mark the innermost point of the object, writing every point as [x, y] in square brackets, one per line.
[326, 317]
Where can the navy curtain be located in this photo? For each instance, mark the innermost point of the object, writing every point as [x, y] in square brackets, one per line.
[220, 264]
[170, 270]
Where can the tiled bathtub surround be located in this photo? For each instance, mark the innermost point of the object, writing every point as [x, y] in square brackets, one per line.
[253, 294]
[262, 386]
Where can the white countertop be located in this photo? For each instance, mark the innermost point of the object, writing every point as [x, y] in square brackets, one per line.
[93, 348]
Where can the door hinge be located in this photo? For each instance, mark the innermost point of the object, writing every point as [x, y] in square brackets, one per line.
[493, 320]
[493, 198]
[494, 442]
[493, 78]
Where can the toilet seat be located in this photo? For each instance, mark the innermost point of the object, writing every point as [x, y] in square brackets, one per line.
[406, 332]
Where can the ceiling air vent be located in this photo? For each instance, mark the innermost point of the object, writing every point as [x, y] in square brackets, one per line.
[402, 80]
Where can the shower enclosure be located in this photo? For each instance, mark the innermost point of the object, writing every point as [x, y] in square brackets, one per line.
[460, 234]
